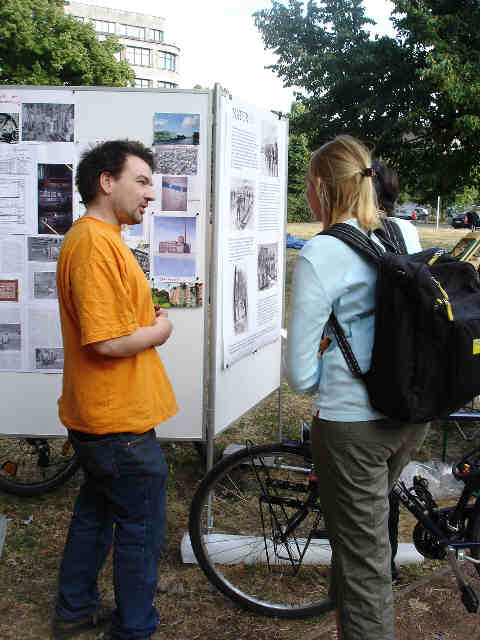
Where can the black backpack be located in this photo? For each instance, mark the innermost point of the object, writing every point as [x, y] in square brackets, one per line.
[426, 351]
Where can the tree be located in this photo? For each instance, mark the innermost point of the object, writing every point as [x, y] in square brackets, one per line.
[414, 99]
[298, 159]
[40, 44]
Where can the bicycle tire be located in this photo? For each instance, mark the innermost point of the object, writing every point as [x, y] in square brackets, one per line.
[32, 466]
[226, 520]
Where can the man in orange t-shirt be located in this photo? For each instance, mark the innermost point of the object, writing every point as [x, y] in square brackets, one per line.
[115, 390]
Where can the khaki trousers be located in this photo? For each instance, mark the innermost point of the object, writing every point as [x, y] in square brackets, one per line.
[357, 464]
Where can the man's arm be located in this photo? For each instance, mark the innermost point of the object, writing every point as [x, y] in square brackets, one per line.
[143, 338]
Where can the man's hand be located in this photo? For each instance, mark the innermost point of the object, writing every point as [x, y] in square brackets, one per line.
[160, 312]
[163, 326]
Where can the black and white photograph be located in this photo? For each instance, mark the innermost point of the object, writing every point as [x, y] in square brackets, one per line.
[55, 198]
[44, 248]
[47, 122]
[9, 127]
[176, 160]
[269, 149]
[48, 358]
[267, 266]
[10, 337]
[240, 299]
[174, 193]
[242, 204]
[44, 285]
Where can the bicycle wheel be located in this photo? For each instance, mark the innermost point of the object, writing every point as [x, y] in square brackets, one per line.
[258, 533]
[32, 466]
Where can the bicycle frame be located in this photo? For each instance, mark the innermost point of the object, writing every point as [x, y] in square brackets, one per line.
[450, 543]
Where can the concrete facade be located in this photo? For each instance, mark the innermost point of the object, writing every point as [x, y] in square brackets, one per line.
[153, 59]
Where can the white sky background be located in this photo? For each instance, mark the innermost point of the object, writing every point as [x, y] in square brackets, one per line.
[219, 43]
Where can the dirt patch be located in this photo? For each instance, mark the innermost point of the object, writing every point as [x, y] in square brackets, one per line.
[189, 606]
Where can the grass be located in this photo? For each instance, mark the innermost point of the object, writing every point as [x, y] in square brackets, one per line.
[189, 606]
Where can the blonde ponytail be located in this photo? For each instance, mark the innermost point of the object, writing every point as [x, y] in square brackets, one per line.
[340, 172]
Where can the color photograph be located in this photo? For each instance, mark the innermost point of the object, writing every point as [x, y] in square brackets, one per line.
[187, 295]
[174, 193]
[174, 247]
[55, 212]
[9, 290]
[176, 128]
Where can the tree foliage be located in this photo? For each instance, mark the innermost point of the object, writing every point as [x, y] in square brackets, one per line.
[414, 98]
[41, 45]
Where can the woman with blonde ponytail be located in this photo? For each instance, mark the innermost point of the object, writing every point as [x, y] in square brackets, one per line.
[357, 455]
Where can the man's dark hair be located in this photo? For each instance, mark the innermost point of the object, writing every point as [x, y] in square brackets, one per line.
[109, 156]
[386, 186]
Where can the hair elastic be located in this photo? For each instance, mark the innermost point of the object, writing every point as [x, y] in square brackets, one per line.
[368, 173]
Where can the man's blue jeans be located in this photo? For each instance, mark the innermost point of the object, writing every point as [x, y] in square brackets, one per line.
[122, 500]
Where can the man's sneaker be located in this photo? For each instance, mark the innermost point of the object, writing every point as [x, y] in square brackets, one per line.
[64, 629]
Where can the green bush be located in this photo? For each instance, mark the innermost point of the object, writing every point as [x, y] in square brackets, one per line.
[298, 210]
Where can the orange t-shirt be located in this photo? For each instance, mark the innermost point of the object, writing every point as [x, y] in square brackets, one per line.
[103, 294]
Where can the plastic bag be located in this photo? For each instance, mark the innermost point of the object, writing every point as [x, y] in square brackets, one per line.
[441, 482]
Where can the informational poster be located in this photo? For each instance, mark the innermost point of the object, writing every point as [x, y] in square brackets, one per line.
[251, 230]
[37, 158]
[174, 247]
[30, 336]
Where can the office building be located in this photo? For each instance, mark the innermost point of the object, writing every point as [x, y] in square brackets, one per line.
[146, 48]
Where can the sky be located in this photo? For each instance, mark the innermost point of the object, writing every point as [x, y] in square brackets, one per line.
[179, 123]
[219, 43]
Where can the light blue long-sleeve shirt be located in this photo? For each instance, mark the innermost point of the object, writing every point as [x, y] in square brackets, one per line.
[330, 275]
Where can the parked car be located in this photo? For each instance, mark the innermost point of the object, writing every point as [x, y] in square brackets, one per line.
[465, 220]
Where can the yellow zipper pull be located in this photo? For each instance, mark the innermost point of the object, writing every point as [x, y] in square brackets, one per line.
[446, 301]
[435, 257]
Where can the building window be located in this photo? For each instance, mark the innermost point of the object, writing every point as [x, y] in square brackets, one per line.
[138, 56]
[166, 61]
[143, 83]
[130, 31]
[103, 26]
[165, 85]
[156, 35]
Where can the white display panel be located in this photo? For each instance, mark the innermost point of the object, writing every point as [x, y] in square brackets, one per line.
[249, 258]
[29, 400]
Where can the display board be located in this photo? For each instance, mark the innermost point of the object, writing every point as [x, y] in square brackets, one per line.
[43, 132]
[249, 258]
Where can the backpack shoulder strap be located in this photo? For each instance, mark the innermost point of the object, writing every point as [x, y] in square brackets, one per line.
[391, 236]
[366, 248]
[356, 240]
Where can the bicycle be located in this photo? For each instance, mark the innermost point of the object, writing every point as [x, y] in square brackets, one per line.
[32, 466]
[257, 530]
